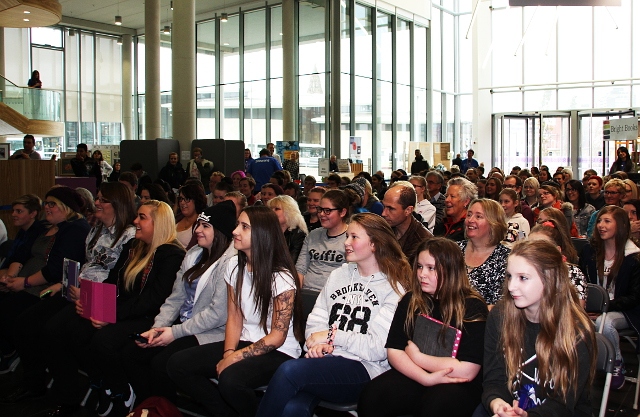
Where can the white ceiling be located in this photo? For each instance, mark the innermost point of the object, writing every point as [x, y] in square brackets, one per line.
[132, 11]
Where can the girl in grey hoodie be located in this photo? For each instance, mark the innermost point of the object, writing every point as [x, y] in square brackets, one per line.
[348, 326]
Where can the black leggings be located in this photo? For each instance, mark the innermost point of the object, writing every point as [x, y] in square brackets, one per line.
[31, 343]
[72, 343]
[393, 394]
[147, 368]
[235, 393]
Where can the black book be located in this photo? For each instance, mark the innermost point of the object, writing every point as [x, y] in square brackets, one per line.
[427, 336]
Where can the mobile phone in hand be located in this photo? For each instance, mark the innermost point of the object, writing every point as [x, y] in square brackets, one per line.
[139, 338]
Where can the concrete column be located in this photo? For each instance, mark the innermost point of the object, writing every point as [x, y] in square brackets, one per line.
[334, 110]
[127, 82]
[481, 79]
[183, 64]
[152, 123]
[289, 110]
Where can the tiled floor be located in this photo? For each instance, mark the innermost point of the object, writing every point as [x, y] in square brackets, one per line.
[619, 405]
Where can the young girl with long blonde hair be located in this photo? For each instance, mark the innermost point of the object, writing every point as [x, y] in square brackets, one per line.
[144, 276]
[540, 346]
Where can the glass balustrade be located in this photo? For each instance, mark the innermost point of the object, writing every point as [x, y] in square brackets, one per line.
[33, 103]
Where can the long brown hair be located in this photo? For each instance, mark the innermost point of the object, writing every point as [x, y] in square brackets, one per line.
[208, 256]
[498, 183]
[623, 229]
[269, 255]
[513, 196]
[563, 323]
[452, 289]
[388, 253]
[558, 233]
[124, 207]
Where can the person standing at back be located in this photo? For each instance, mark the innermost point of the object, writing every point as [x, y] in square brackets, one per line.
[34, 81]
[469, 162]
[420, 164]
[263, 168]
[623, 162]
[248, 159]
[272, 152]
[28, 151]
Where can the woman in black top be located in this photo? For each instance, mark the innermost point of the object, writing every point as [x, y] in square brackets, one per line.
[291, 222]
[24, 279]
[421, 384]
[34, 81]
[144, 276]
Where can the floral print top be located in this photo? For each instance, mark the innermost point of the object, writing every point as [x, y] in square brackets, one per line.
[101, 256]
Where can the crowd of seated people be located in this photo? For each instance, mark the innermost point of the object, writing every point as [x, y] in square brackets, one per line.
[319, 293]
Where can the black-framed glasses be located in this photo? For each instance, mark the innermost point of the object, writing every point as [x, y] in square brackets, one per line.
[511, 186]
[326, 211]
[567, 190]
[185, 199]
[49, 204]
[102, 200]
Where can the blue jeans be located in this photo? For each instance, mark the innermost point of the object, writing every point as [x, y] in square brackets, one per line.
[613, 322]
[299, 385]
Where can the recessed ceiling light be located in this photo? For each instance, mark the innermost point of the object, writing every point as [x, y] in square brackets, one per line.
[280, 33]
[225, 44]
[27, 12]
[26, 20]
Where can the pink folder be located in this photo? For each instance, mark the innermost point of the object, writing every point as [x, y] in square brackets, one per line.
[98, 301]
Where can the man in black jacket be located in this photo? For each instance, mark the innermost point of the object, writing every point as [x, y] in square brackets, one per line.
[420, 164]
[85, 166]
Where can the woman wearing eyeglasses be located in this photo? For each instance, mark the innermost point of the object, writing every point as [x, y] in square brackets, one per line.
[548, 196]
[21, 285]
[191, 202]
[323, 249]
[115, 211]
[574, 193]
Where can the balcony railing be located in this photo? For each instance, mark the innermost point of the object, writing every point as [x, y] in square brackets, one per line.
[33, 103]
